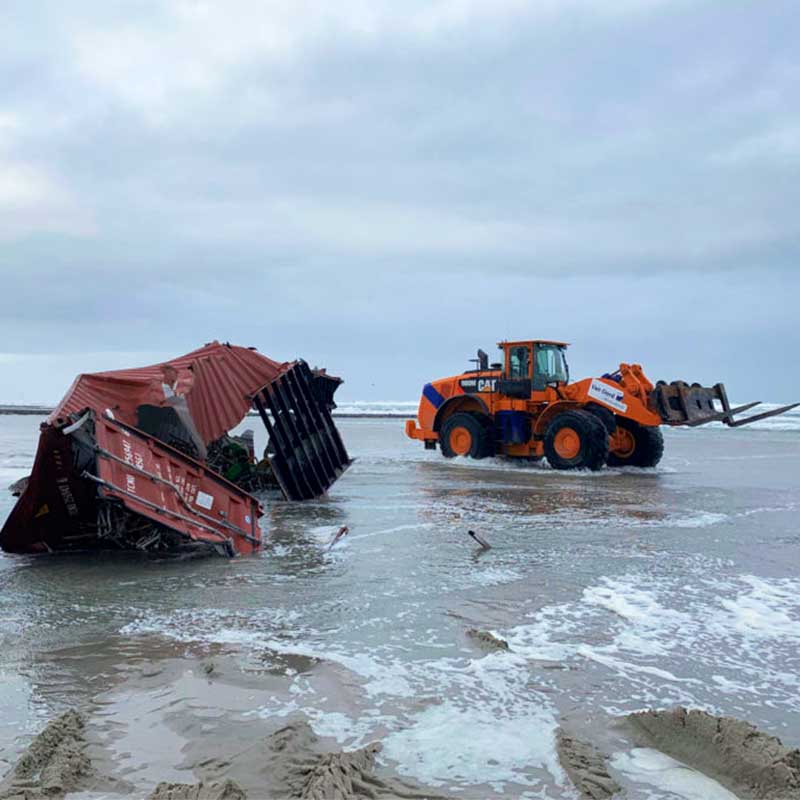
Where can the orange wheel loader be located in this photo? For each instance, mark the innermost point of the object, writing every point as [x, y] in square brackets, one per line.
[526, 407]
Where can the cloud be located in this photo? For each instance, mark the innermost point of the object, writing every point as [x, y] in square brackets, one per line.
[32, 201]
[412, 177]
[773, 148]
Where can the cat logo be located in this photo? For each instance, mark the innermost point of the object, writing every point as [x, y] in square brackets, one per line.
[470, 385]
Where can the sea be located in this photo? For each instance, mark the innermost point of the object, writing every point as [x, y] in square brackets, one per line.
[616, 591]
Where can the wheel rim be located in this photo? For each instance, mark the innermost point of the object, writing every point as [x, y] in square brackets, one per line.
[624, 443]
[460, 441]
[567, 443]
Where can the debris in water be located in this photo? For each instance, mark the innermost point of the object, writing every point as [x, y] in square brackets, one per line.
[487, 639]
[480, 540]
[586, 767]
[750, 763]
[343, 531]
[141, 459]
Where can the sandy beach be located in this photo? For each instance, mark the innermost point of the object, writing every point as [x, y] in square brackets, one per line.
[405, 661]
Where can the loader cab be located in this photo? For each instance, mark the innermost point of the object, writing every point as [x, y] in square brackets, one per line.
[532, 367]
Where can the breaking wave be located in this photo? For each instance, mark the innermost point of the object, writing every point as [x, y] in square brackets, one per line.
[377, 408]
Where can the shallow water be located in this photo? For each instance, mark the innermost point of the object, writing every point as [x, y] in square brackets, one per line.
[616, 591]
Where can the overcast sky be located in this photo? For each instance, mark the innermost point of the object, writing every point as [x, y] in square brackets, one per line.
[382, 187]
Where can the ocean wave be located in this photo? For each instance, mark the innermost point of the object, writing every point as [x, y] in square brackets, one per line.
[377, 408]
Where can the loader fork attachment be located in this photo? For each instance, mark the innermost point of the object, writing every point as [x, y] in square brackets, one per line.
[682, 404]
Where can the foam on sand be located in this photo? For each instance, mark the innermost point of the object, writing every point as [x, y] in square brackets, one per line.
[446, 745]
[645, 765]
[291, 763]
[750, 763]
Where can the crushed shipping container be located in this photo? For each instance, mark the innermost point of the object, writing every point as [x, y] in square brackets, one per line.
[142, 459]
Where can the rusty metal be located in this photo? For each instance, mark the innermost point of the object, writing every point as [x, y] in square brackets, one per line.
[129, 459]
[679, 403]
[216, 381]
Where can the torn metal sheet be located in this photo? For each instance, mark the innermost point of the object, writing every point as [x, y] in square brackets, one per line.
[141, 459]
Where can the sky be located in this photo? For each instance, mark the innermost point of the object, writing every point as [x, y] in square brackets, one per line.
[383, 187]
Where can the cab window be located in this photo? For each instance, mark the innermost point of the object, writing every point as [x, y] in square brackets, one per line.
[551, 366]
[518, 363]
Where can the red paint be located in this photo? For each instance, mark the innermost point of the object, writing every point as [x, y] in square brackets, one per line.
[157, 482]
[217, 381]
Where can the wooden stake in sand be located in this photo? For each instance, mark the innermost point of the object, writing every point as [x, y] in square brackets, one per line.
[480, 540]
[343, 531]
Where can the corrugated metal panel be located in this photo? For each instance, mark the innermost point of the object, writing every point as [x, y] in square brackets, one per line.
[217, 381]
[163, 485]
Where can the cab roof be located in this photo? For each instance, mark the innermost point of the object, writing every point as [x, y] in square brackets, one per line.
[532, 341]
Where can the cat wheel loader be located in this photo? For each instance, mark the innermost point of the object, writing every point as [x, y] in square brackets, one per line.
[526, 408]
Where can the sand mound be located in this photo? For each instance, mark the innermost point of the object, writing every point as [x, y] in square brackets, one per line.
[586, 768]
[342, 775]
[312, 775]
[227, 790]
[55, 762]
[487, 640]
[750, 763]
[291, 763]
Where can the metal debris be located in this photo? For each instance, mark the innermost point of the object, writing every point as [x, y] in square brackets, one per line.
[343, 531]
[480, 540]
[142, 459]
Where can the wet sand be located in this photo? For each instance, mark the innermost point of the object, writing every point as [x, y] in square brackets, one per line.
[749, 762]
[505, 673]
[115, 747]
[103, 751]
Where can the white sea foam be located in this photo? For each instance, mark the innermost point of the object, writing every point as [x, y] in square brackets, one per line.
[765, 609]
[446, 744]
[645, 765]
[396, 408]
[699, 519]
[483, 724]
[641, 640]
[657, 633]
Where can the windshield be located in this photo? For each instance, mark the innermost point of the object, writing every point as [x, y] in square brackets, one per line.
[550, 365]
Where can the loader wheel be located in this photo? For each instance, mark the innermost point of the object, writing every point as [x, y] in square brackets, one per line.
[576, 440]
[604, 415]
[636, 445]
[465, 434]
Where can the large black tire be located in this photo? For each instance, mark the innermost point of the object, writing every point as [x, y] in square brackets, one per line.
[487, 446]
[464, 434]
[576, 440]
[604, 415]
[648, 445]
